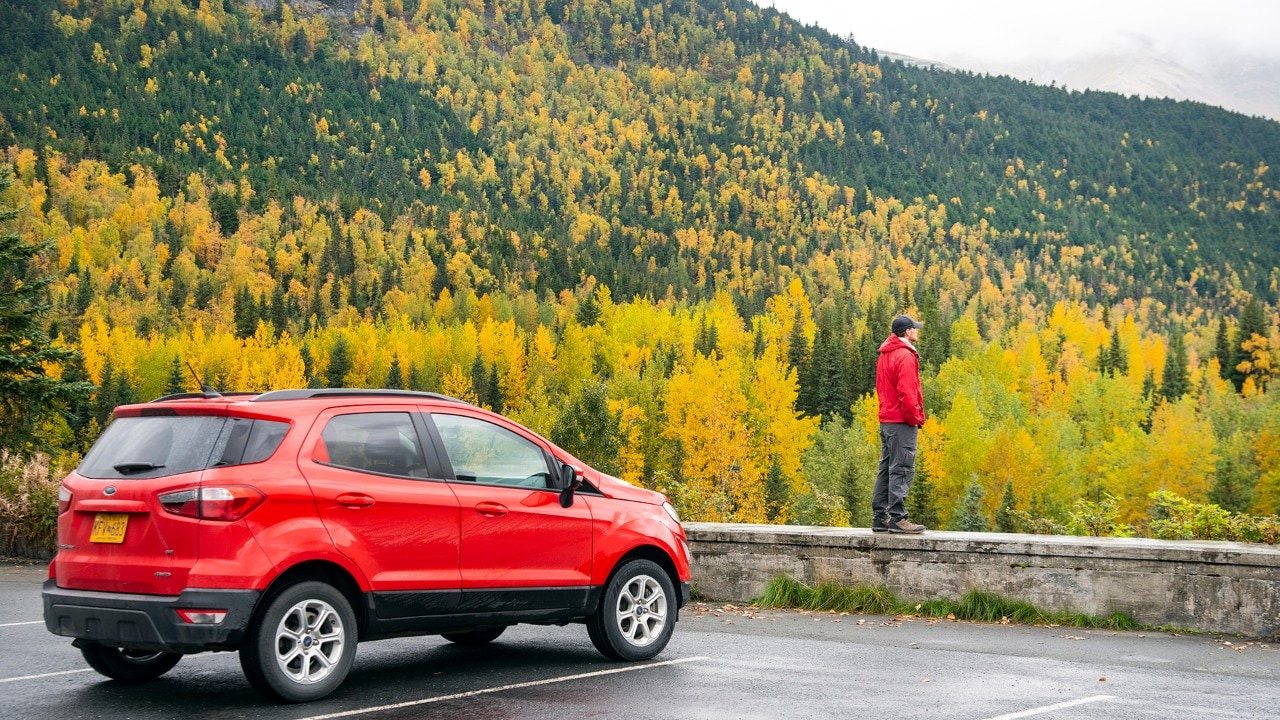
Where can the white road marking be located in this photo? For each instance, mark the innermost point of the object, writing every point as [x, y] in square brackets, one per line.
[44, 675]
[501, 688]
[1051, 708]
[33, 622]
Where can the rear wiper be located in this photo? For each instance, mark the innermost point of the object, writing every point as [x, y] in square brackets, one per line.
[130, 468]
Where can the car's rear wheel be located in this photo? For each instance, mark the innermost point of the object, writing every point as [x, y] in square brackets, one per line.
[128, 665]
[475, 637]
[634, 620]
[301, 647]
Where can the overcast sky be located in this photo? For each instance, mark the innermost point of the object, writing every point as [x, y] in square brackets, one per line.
[996, 30]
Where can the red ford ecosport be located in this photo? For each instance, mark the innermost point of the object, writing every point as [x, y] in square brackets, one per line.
[293, 524]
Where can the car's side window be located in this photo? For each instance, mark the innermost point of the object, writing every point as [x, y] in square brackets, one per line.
[483, 452]
[384, 443]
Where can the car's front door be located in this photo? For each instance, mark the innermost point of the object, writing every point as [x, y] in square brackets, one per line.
[520, 549]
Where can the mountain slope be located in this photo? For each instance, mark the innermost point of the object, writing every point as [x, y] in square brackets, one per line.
[659, 147]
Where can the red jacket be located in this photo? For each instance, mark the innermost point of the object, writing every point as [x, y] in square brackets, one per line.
[898, 383]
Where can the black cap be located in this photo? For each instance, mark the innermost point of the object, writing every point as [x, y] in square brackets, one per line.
[903, 323]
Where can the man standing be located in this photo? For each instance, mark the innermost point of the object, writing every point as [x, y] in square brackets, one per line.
[901, 416]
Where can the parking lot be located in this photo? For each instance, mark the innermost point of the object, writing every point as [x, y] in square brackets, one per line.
[725, 661]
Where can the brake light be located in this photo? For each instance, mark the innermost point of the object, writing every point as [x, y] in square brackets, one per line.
[64, 499]
[227, 503]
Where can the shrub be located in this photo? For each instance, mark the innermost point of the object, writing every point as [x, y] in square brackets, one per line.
[28, 501]
[1097, 519]
[1176, 518]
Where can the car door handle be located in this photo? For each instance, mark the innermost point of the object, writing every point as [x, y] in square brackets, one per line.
[491, 509]
[355, 500]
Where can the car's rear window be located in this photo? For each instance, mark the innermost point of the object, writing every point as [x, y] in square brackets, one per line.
[150, 447]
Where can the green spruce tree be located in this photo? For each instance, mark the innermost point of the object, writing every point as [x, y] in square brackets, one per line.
[27, 391]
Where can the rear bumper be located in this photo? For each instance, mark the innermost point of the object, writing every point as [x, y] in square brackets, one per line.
[148, 622]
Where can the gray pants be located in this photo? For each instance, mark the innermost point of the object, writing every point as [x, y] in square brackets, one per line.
[897, 470]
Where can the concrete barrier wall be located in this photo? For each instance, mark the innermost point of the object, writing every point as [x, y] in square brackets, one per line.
[1210, 586]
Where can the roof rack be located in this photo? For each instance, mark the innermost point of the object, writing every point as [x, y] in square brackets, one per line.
[203, 395]
[351, 392]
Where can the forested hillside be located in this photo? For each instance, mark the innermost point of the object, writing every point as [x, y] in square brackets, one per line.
[586, 214]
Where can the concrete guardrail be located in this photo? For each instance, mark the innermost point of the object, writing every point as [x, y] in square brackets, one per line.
[1209, 586]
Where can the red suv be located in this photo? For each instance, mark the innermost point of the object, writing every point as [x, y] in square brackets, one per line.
[293, 524]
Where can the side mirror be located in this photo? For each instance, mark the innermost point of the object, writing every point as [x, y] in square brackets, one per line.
[569, 481]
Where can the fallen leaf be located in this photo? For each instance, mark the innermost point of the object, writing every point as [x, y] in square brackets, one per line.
[1102, 679]
[951, 616]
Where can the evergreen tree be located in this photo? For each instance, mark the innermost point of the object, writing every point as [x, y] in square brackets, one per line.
[1253, 321]
[825, 385]
[79, 413]
[309, 367]
[969, 517]
[395, 378]
[84, 291]
[588, 310]
[878, 330]
[856, 498]
[1118, 357]
[417, 379]
[935, 346]
[27, 392]
[278, 312]
[798, 357]
[589, 430]
[1222, 348]
[205, 290]
[245, 313]
[494, 389]
[776, 491]
[177, 378]
[480, 382]
[1006, 517]
[340, 364]
[1174, 383]
[1233, 486]
[920, 501]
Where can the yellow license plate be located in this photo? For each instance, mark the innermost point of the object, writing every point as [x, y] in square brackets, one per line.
[109, 528]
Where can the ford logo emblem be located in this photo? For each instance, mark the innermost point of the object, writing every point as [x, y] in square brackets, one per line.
[111, 490]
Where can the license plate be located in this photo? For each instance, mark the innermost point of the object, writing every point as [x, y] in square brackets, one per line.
[109, 528]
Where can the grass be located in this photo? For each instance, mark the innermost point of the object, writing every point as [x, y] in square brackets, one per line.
[976, 606]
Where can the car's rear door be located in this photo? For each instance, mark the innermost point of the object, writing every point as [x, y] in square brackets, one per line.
[387, 507]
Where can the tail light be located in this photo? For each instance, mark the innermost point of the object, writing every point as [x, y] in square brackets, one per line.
[226, 503]
[64, 499]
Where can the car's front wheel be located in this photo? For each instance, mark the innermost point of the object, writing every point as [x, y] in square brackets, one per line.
[635, 617]
[128, 665]
[301, 647]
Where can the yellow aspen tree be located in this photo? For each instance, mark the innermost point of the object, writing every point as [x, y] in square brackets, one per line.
[707, 410]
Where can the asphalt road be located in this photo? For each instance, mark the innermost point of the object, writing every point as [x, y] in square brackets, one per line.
[724, 661]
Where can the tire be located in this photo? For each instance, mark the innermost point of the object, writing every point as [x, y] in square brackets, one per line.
[636, 616]
[301, 647]
[475, 637]
[128, 665]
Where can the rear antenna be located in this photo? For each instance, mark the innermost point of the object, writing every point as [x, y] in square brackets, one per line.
[204, 389]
